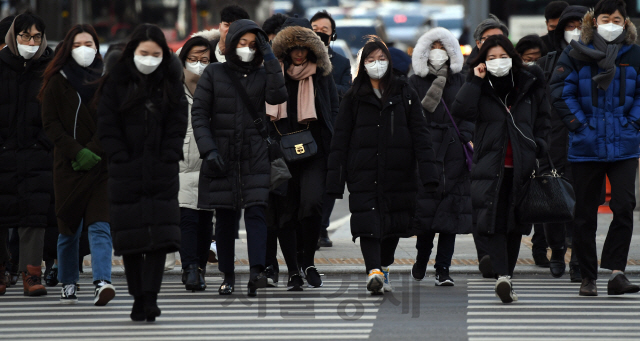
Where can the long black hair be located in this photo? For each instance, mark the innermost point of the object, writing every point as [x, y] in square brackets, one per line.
[388, 81]
[505, 43]
[191, 43]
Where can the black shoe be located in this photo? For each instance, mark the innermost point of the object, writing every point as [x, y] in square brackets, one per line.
[541, 259]
[256, 282]
[184, 276]
[313, 277]
[588, 287]
[557, 265]
[202, 284]
[325, 242]
[443, 279]
[620, 285]
[419, 270]
[272, 276]
[51, 278]
[574, 272]
[151, 310]
[228, 284]
[137, 312]
[295, 283]
[485, 267]
[191, 272]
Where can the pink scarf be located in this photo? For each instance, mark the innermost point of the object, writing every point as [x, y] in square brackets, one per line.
[306, 95]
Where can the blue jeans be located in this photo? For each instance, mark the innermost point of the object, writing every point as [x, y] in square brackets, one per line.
[101, 251]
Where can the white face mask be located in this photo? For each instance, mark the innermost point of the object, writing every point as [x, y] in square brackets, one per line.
[530, 63]
[27, 51]
[196, 68]
[438, 57]
[610, 31]
[246, 54]
[146, 64]
[377, 69]
[572, 35]
[499, 67]
[84, 55]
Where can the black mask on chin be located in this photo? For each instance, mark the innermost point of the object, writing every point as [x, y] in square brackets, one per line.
[324, 37]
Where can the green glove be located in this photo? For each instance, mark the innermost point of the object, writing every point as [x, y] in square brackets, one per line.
[85, 160]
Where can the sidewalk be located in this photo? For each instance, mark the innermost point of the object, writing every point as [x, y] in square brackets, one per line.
[345, 256]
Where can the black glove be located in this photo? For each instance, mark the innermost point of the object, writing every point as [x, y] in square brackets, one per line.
[263, 45]
[214, 161]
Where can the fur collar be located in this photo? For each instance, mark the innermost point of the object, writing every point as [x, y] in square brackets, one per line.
[210, 35]
[423, 46]
[300, 36]
[588, 29]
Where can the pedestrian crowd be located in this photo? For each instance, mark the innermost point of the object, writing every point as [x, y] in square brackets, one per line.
[142, 153]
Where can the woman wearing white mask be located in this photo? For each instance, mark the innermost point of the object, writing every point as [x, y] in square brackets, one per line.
[235, 173]
[80, 170]
[142, 120]
[196, 225]
[310, 111]
[437, 61]
[508, 104]
[382, 150]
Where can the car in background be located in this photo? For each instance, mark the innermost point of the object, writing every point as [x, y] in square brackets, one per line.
[403, 27]
[337, 13]
[282, 6]
[451, 18]
[354, 31]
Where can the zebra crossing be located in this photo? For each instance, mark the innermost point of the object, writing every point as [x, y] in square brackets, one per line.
[340, 310]
[550, 309]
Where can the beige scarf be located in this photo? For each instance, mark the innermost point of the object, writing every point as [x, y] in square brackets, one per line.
[306, 95]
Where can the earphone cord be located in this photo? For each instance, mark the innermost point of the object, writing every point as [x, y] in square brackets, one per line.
[509, 111]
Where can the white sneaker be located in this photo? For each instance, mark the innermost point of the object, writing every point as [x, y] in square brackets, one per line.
[504, 290]
[387, 286]
[104, 293]
[68, 295]
[375, 282]
[170, 262]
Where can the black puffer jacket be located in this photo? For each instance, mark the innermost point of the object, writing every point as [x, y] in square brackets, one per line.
[494, 127]
[143, 142]
[26, 158]
[383, 152]
[449, 208]
[222, 121]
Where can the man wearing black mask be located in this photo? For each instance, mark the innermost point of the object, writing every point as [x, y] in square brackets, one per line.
[325, 27]
[552, 15]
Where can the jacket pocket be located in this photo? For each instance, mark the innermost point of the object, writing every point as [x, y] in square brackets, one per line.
[629, 139]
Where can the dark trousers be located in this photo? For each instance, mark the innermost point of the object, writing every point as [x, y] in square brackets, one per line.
[256, 226]
[144, 272]
[196, 229]
[588, 177]
[446, 245]
[327, 208]
[538, 240]
[378, 253]
[556, 235]
[504, 244]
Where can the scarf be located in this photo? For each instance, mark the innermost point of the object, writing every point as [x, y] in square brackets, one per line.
[306, 94]
[434, 94]
[604, 54]
[84, 80]
[191, 81]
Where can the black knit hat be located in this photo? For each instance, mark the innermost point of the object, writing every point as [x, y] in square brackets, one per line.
[295, 21]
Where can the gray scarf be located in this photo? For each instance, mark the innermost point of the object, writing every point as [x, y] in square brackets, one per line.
[604, 54]
[434, 94]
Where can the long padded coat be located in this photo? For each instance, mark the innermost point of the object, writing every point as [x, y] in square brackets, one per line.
[383, 152]
[526, 127]
[144, 145]
[221, 121]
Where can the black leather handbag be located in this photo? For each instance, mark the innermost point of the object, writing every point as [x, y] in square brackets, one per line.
[297, 146]
[547, 198]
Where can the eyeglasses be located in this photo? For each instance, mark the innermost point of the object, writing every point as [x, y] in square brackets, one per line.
[204, 60]
[572, 27]
[26, 38]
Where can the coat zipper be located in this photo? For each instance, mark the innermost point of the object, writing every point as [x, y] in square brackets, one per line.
[392, 121]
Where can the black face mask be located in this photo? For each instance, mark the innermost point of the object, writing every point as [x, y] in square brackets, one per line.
[324, 37]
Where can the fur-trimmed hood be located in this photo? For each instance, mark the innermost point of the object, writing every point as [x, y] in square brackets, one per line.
[209, 35]
[588, 29]
[423, 46]
[299, 36]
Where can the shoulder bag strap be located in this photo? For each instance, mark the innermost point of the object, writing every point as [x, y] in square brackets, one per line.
[452, 120]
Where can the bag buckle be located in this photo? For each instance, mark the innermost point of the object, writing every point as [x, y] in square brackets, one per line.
[299, 148]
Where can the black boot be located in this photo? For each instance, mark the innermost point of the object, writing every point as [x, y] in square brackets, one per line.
[257, 280]
[192, 277]
[419, 269]
[557, 265]
[201, 282]
[137, 312]
[540, 258]
[228, 284]
[151, 310]
[574, 272]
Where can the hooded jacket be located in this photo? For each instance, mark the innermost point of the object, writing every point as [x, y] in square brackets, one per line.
[327, 102]
[449, 208]
[222, 122]
[143, 142]
[601, 123]
[526, 127]
[26, 158]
